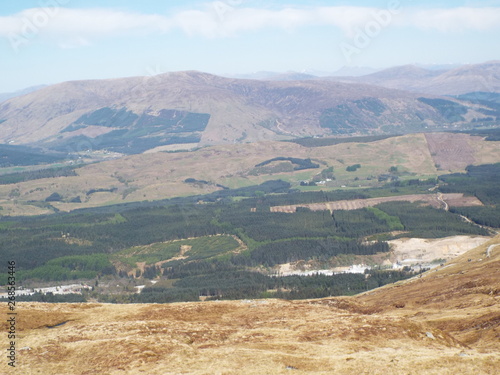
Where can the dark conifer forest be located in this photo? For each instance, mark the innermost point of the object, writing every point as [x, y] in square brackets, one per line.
[231, 246]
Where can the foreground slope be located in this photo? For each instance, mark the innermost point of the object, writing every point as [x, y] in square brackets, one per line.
[446, 322]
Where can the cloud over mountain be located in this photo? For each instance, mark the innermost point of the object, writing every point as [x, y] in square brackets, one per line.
[218, 19]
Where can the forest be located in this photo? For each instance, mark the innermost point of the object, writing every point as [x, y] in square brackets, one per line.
[298, 163]
[16, 155]
[133, 134]
[483, 182]
[321, 142]
[96, 244]
[14, 178]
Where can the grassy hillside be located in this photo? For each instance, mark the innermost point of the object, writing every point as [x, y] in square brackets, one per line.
[446, 321]
[163, 175]
[189, 250]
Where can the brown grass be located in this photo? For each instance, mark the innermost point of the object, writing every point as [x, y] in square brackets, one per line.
[446, 322]
[160, 175]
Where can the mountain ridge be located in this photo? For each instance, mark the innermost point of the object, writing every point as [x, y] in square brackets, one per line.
[8, 95]
[239, 111]
[484, 77]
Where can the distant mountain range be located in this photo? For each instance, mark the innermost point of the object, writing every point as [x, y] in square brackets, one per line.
[133, 115]
[464, 79]
[346, 71]
[451, 79]
[9, 95]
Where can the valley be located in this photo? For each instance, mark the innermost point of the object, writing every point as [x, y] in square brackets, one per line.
[232, 242]
[247, 187]
[201, 224]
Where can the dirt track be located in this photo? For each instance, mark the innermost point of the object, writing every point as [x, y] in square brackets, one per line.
[453, 199]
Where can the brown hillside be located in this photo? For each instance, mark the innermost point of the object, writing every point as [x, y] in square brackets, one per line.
[461, 297]
[240, 110]
[446, 322]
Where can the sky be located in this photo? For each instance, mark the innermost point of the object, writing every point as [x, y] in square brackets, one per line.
[51, 41]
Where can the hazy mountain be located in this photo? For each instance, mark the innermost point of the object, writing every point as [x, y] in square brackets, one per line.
[468, 78]
[464, 79]
[345, 71]
[275, 76]
[406, 77]
[442, 67]
[131, 115]
[9, 95]
[353, 71]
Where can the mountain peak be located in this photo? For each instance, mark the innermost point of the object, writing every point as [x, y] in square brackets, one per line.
[404, 71]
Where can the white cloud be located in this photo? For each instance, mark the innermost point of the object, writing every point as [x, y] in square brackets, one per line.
[214, 24]
[70, 43]
[456, 19]
[347, 19]
[82, 21]
[77, 27]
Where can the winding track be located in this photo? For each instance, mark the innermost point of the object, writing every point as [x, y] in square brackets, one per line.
[440, 198]
[488, 251]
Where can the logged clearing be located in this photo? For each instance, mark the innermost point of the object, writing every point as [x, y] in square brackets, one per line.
[459, 200]
[447, 322]
[453, 199]
[424, 250]
[451, 151]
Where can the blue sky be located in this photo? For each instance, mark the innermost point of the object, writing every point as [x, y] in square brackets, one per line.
[50, 41]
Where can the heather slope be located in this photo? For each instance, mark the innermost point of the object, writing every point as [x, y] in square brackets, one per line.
[445, 322]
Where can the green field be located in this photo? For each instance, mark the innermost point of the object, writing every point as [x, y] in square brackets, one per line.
[197, 248]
